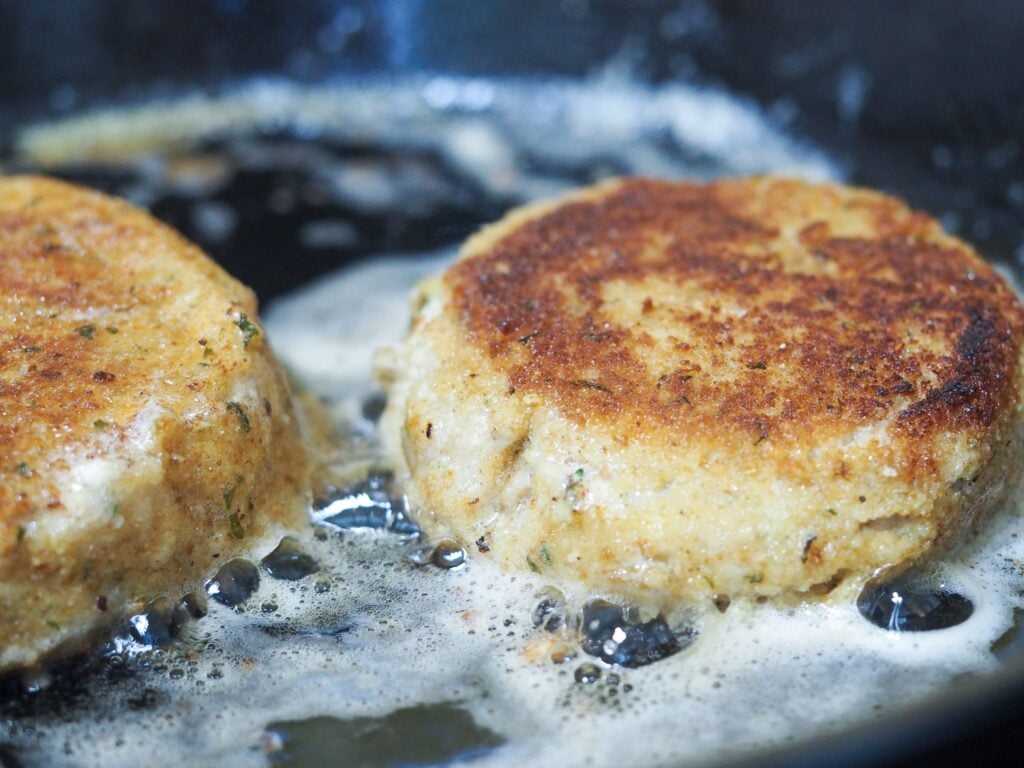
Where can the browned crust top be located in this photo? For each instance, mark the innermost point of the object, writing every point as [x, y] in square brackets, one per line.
[755, 309]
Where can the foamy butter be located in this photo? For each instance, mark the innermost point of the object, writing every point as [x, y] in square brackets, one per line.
[757, 675]
[371, 633]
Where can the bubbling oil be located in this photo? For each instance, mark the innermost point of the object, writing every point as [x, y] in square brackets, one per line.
[359, 627]
[360, 618]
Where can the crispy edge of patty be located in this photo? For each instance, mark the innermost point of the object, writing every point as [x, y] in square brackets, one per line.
[123, 343]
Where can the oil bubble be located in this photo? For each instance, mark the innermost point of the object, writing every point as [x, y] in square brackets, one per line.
[160, 622]
[368, 504]
[587, 673]
[550, 610]
[195, 603]
[913, 603]
[448, 554]
[616, 636]
[289, 561]
[235, 581]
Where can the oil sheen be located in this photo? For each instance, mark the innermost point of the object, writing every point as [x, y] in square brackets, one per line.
[357, 628]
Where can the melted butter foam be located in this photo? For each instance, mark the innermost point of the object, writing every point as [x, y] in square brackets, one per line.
[371, 633]
[757, 675]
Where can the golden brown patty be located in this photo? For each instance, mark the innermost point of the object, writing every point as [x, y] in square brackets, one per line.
[146, 431]
[755, 386]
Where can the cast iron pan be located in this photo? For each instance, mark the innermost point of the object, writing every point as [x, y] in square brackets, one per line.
[925, 100]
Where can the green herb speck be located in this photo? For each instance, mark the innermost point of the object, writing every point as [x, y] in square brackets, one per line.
[23, 470]
[101, 424]
[237, 530]
[229, 492]
[545, 553]
[248, 328]
[533, 565]
[112, 329]
[86, 331]
[243, 418]
[30, 350]
[21, 534]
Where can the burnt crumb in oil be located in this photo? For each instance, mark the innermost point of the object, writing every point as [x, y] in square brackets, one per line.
[1010, 644]
[148, 699]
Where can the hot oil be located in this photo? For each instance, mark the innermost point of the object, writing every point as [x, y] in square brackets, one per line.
[370, 622]
[732, 676]
[358, 635]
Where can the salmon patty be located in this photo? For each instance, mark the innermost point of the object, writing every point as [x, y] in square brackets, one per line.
[146, 431]
[666, 390]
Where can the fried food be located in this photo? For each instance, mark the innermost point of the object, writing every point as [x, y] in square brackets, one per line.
[755, 387]
[146, 431]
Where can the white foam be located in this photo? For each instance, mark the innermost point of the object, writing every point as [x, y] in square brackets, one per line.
[387, 635]
[353, 313]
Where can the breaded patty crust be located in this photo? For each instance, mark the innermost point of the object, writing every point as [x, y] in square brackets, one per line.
[146, 431]
[751, 387]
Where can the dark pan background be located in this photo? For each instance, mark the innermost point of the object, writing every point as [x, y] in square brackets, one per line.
[924, 99]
